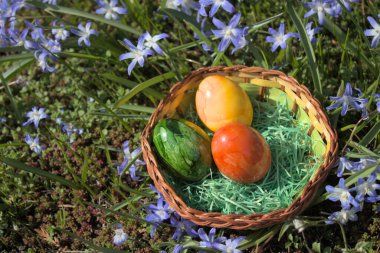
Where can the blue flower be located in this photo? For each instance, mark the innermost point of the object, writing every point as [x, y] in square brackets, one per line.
[230, 33]
[158, 213]
[344, 164]
[35, 115]
[151, 42]
[60, 33]
[69, 129]
[346, 100]
[19, 4]
[185, 5]
[34, 144]
[320, 7]
[344, 216]
[230, 245]
[209, 241]
[278, 38]
[159, 195]
[366, 187]
[52, 2]
[138, 54]
[311, 32]
[129, 157]
[182, 225]
[84, 33]
[110, 9]
[42, 63]
[206, 34]
[120, 237]
[375, 32]
[3, 120]
[347, 5]
[37, 32]
[216, 4]
[341, 193]
[16, 37]
[377, 99]
[178, 248]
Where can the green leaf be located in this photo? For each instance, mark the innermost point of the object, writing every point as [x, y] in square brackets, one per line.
[83, 14]
[16, 68]
[19, 165]
[12, 144]
[284, 228]
[360, 174]
[138, 108]
[16, 57]
[131, 84]
[257, 25]
[363, 149]
[372, 134]
[316, 247]
[341, 37]
[307, 46]
[143, 86]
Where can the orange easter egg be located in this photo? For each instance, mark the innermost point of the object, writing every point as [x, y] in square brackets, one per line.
[219, 101]
[241, 153]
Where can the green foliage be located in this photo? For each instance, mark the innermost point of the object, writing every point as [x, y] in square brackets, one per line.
[71, 198]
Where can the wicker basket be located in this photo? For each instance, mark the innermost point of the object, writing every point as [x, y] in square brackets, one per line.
[267, 82]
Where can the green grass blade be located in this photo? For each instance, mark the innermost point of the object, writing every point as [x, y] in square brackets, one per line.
[131, 84]
[262, 23]
[307, 46]
[341, 37]
[12, 49]
[8, 91]
[16, 57]
[143, 86]
[16, 68]
[19, 165]
[372, 134]
[78, 13]
[138, 108]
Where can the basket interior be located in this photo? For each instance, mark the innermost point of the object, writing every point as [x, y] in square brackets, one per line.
[247, 199]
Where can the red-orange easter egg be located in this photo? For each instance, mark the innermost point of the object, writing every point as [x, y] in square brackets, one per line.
[241, 153]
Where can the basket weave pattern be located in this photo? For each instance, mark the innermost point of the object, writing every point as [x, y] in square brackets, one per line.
[269, 78]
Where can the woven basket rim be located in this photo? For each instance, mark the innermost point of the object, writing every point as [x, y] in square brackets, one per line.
[256, 220]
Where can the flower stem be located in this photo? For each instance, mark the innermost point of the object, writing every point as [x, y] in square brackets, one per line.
[344, 236]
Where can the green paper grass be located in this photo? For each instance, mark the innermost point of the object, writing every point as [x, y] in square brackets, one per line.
[291, 168]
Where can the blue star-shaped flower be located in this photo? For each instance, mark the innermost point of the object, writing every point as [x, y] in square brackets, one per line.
[151, 42]
[84, 33]
[209, 241]
[120, 237]
[110, 9]
[342, 194]
[347, 100]
[216, 4]
[230, 245]
[34, 144]
[230, 33]
[138, 54]
[344, 216]
[375, 32]
[278, 38]
[35, 115]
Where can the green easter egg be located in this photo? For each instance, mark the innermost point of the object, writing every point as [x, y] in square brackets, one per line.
[184, 148]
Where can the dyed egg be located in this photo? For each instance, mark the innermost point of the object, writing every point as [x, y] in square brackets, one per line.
[241, 153]
[184, 148]
[219, 101]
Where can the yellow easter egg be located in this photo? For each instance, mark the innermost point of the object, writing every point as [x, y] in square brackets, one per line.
[219, 101]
